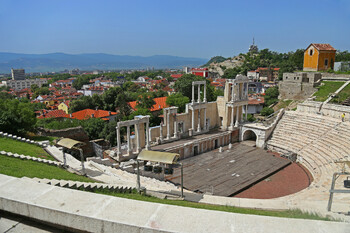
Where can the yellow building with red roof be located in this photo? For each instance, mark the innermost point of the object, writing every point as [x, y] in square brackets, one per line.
[319, 57]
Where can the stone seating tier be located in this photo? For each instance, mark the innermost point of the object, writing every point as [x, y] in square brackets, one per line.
[319, 140]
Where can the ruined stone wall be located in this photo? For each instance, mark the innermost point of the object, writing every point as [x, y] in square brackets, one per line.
[76, 133]
[298, 86]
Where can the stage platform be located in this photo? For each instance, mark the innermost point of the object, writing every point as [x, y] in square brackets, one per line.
[229, 172]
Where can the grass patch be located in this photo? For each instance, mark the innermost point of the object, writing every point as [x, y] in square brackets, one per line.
[324, 90]
[282, 104]
[19, 168]
[14, 146]
[42, 138]
[283, 214]
[342, 96]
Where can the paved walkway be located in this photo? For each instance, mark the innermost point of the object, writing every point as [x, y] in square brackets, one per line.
[91, 212]
[110, 175]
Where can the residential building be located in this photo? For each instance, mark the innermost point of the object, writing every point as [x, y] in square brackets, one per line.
[204, 72]
[64, 106]
[319, 57]
[255, 104]
[253, 75]
[25, 83]
[18, 74]
[268, 74]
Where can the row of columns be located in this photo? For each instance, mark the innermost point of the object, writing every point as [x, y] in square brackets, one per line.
[237, 115]
[167, 112]
[199, 92]
[137, 135]
[199, 120]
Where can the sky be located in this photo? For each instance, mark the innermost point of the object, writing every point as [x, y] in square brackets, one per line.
[187, 28]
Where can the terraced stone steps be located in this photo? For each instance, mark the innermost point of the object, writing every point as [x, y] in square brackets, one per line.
[41, 144]
[27, 157]
[84, 185]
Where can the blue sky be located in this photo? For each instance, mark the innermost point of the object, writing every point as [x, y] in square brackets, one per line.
[181, 28]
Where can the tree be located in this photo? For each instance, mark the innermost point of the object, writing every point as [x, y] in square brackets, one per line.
[266, 111]
[271, 96]
[232, 73]
[93, 127]
[16, 117]
[178, 100]
[145, 101]
[34, 87]
[184, 86]
[82, 103]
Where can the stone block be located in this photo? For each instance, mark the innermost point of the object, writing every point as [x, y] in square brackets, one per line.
[3, 152]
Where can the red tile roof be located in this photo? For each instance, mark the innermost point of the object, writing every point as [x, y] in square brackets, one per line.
[176, 75]
[256, 101]
[267, 68]
[54, 114]
[160, 104]
[89, 113]
[322, 47]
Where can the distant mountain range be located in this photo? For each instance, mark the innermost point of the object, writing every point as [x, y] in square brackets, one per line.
[91, 61]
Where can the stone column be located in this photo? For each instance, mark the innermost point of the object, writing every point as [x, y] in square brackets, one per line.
[192, 118]
[137, 135]
[164, 115]
[199, 121]
[237, 116]
[199, 93]
[232, 116]
[118, 141]
[168, 125]
[205, 120]
[241, 120]
[175, 127]
[246, 112]
[128, 136]
[192, 93]
[161, 132]
[205, 93]
[232, 91]
[147, 135]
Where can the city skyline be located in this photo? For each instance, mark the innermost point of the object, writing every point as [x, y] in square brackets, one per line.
[189, 29]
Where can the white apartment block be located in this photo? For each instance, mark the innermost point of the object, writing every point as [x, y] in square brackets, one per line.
[26, 83]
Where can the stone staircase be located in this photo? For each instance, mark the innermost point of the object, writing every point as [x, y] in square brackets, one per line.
[7, 135]
[26, 157]
[87, 186]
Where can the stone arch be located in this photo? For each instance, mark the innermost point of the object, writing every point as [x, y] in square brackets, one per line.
[250, 134]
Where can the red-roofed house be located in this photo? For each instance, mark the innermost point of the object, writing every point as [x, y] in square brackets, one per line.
[255, 104]
[176, 76]
[64, 106]
[268, 74]
[53, 114]
[90, 113]
[319, 57]
[159, 105]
